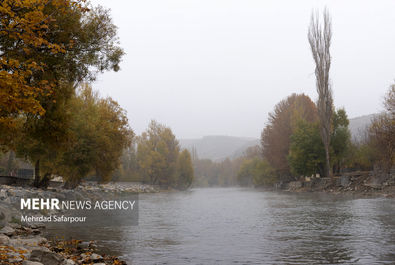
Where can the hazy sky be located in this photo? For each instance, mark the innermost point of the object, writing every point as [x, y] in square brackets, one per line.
[217, 67]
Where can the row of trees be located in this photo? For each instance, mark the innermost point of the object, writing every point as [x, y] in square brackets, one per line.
[155, 158]
[49, 51]
[292, 146]
[302, 138]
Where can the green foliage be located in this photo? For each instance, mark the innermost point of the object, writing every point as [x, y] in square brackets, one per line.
[257, 172]
[76, 44]
[307, 154]
[184, 170]
[99, 131]
[340, 140]
[276, 136]
[246, 173]
[360, 156]
[157, 154]
[210, 173]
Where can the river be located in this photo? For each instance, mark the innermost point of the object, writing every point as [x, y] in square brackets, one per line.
[247, 226]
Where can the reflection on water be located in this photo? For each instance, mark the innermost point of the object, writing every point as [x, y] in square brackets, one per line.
[245, 226]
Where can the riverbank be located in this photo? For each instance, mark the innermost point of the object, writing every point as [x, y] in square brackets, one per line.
[366, 183]
[24, 243]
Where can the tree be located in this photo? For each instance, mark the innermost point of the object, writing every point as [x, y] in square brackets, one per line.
[184, 170]
[257, 172]
[99, 134]
[26, 26]
[306, 155]
[246, 173]
[389, 101]
[319, 37]
[340, 140]
[128, 170]
[382, 140]
[157, 154]
[275, 138]
[89, 46]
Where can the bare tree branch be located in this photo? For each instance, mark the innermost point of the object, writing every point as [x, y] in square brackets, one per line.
[319, 36]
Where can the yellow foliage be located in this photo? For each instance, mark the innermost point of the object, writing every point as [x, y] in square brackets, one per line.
[24, 26]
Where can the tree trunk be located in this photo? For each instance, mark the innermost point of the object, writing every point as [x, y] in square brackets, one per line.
[37, 174]
[328, 168]
[10, 163]
[44, 183]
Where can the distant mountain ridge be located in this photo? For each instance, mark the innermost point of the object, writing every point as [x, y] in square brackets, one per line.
[359, 125]
[220, 147]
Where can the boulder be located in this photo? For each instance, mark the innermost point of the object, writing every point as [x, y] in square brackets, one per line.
[3, 193]
[83, 245]
[46, 257]
[29, 243]
[96, 257]
[345, 181]
[294, 185]
[68, 262]
[7, 230]
[4, 240]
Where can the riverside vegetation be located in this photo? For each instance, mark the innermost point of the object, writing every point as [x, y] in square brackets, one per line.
[50, 115]
[304, 140]
[50, 51]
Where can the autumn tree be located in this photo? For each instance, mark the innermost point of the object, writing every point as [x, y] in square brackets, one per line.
[89, 46]
[26, 26]
[99, 132]
[275, 138]
[381, 134]
[157, 154]
[184, 170]
[319, 36]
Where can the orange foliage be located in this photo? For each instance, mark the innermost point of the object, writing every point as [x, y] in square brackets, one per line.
[275, 138]
[24, 26]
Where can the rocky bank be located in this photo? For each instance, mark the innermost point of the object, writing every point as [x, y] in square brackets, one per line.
[24, 243]
[367, 183]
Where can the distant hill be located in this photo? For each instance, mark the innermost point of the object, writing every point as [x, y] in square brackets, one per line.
[219, 147]
[359, 125]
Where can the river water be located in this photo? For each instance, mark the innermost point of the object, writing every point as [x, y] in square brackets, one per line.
[247, 226]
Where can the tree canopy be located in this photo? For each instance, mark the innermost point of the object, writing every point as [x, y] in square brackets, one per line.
[275, 138]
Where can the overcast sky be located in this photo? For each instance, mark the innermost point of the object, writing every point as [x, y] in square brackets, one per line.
[217, 67]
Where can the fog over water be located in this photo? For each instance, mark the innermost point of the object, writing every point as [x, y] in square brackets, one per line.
[247, 226]
[217, 67]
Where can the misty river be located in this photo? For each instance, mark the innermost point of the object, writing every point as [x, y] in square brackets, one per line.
[247, 226]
